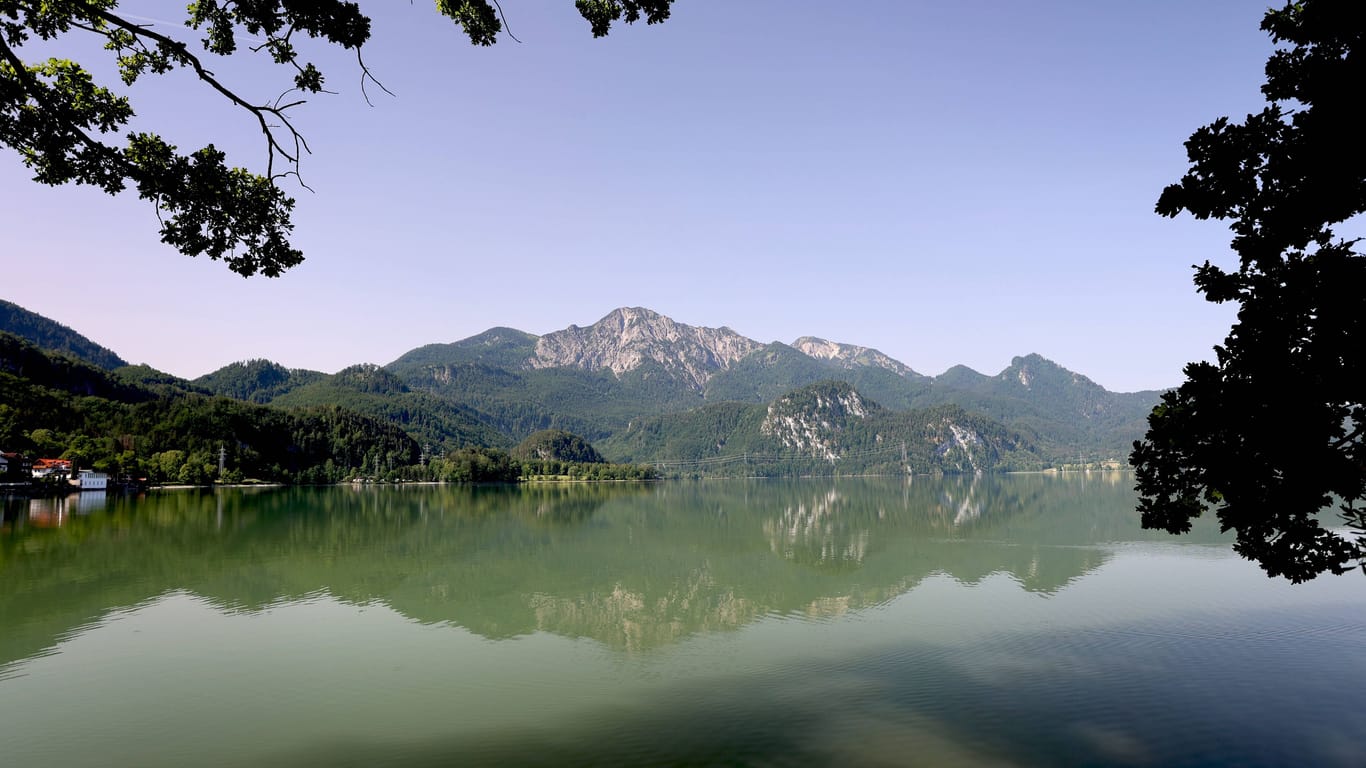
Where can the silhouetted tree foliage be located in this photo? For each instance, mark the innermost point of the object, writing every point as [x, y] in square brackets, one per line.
[1270, 435]
[56, 116]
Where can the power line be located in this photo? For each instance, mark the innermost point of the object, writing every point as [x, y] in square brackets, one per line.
[747, 457]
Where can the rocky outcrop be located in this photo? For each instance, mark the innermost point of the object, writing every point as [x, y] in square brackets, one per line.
[851, 356]
[810, 421]
[629, 337]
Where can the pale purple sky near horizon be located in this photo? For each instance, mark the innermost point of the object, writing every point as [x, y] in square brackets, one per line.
[950, 183]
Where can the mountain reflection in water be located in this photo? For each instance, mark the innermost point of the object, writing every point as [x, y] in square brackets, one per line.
[1022, 620]
[631, 566]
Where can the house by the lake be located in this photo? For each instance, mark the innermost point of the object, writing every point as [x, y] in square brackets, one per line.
[14, 466]
[90, 480]
[45, 467]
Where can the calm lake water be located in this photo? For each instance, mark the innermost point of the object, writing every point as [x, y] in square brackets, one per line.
[1021, 620]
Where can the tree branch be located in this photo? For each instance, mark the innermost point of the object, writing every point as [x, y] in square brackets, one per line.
[38, 92]
[181, 52]
[1349, 437]
[364, 75]
[503, 16]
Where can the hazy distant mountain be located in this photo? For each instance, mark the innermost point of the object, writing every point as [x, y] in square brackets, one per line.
[627, 338]
[1065, 411]
[635, 363]
[624, 341]
[850, 356]
[767, 373]
[506, 348]
[55, 337]
[589, 381]
[778, 368]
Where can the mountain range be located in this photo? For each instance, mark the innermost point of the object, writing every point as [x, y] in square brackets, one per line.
[646, 388]
[635, 363]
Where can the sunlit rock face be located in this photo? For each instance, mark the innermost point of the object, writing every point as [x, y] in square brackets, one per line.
[810, 420]
[851, 356]
[629, 337]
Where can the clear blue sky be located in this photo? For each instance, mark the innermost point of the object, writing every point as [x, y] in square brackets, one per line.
[947, 182]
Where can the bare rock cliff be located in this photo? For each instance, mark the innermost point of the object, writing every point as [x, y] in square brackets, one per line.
[811, 421]
[629, 337]
[851, 356]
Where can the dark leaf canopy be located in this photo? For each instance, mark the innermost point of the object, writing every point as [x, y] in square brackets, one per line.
[1270, 435]
[64, 125]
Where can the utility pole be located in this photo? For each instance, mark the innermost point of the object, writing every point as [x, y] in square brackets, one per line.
[222, 459]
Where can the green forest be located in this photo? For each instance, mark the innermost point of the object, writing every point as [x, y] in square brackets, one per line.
[136, 422]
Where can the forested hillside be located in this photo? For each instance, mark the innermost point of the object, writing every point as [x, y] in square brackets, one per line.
[54, 405]
[52, 335]
[825, 428]
[257, 381]
[375, 392]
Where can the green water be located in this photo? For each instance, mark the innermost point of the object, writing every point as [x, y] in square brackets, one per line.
[1021, 620]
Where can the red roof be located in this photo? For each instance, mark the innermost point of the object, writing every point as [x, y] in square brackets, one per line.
[52, 463]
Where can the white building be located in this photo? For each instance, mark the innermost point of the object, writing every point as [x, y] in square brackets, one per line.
[93, 481]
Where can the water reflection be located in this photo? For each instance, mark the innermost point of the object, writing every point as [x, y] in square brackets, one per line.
[819, 532]
[632, 567]
[957, 621]
[49, 511]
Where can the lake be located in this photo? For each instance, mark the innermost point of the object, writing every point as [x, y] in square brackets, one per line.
[1017, 621]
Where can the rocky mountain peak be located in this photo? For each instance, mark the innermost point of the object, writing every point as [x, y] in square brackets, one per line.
[1034, 370]
[835, 401]
[632, 336]
[850, 356]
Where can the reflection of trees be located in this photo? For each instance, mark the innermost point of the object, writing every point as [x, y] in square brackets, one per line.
[630, 566]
